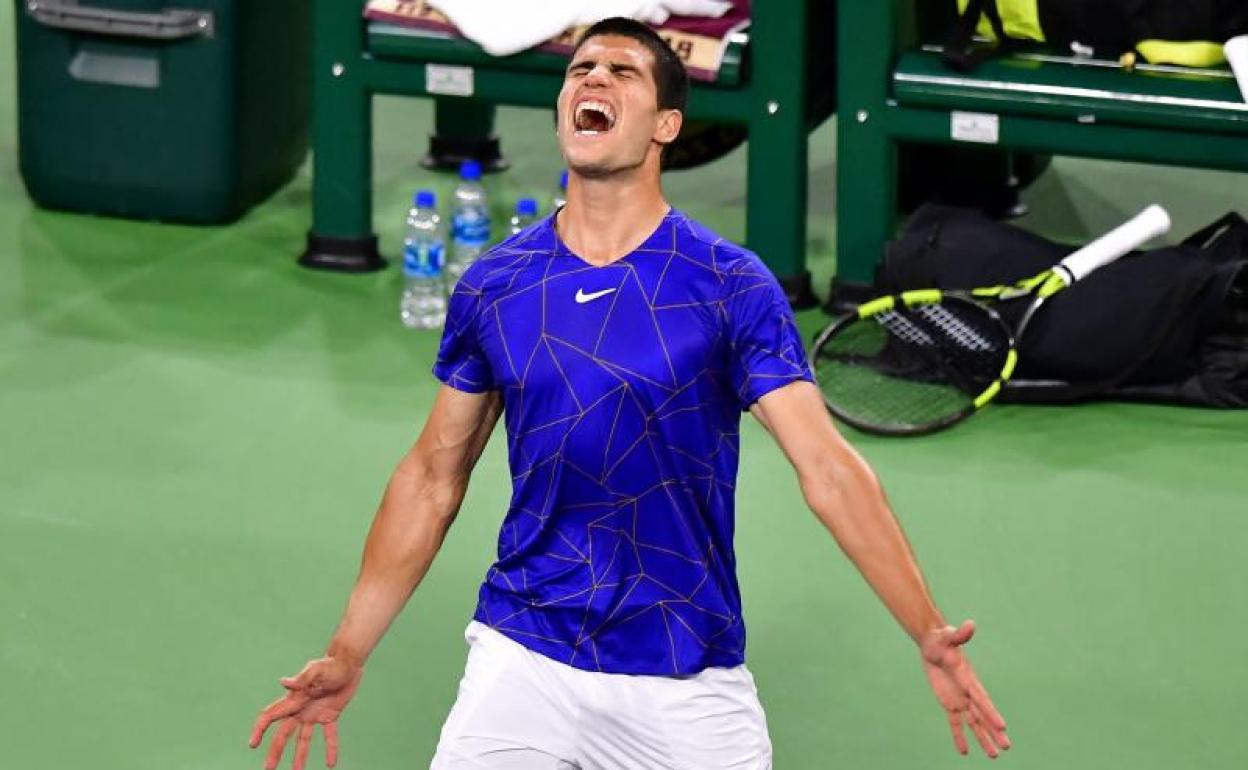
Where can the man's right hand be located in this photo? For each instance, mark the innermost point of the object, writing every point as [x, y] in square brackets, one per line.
[316, 695]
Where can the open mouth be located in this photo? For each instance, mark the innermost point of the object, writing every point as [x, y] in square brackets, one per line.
[593, 118]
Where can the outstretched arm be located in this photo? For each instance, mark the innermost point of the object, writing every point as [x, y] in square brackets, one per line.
[420, 503]
[844, 493]
[419, 506]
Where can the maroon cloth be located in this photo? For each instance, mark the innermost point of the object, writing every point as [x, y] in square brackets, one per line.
[701, 26]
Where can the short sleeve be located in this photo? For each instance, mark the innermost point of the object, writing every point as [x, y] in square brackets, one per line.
[462, 363]
[765, 347]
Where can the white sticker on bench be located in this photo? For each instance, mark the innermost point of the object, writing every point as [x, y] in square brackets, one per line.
[451, 81]
[976, 127]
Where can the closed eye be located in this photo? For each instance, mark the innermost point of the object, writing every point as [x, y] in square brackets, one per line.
[619, 70]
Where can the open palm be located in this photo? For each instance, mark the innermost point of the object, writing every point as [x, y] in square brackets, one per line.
[316, 695]
[960, 692]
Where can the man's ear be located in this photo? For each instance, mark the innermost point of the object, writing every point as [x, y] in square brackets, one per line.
[668, 129]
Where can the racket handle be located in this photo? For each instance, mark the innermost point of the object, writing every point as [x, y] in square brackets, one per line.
[1236, 50]
[1122, 240]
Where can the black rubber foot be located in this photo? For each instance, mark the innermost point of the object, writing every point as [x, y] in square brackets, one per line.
[844, 296]
[343, 255]
[799, 291]
[445, 154]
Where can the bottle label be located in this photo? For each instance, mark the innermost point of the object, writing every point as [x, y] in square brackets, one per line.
[422, 261]
[471, 228]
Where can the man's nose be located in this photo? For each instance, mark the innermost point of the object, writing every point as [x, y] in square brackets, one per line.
[598, 76]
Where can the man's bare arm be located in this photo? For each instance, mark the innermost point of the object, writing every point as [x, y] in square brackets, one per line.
[846, 496]
[421, 501]
[419, 506]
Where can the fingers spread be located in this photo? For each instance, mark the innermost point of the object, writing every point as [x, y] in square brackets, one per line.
[279, 743]
[962, 694]
[975, 692]
[266, 717]
[331, 743]
[981, 734]
[996, 734]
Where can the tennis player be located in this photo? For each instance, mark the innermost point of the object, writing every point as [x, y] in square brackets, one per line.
[622, 341]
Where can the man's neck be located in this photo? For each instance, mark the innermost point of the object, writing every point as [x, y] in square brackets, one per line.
[606, 219]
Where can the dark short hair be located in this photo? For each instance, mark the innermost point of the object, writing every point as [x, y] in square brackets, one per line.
[670, 78]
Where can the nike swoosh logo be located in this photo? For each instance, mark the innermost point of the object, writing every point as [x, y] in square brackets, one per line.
[582, 297]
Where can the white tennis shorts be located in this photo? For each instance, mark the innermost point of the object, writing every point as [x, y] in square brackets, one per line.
[519, 710]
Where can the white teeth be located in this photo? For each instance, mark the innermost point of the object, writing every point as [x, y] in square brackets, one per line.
[597, 106]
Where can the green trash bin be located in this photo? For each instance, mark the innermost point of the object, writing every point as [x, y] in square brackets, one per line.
[189, 113]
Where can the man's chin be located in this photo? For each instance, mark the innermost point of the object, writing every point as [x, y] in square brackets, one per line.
[598, 167]
[592, 169]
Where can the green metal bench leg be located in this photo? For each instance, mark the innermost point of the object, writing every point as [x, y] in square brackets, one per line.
[866, 194]
[342, 236]
[866, 158]
[775, 223]
[464, 129]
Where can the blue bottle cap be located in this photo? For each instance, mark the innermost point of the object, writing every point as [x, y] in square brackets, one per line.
[470, 171]
[425, 199]
[563, 180]
[526, 207]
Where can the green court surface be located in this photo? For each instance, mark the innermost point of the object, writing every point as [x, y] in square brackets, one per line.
[194, 433]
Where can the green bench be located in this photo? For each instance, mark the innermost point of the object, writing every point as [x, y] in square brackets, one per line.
[778, 86]
[894, 89]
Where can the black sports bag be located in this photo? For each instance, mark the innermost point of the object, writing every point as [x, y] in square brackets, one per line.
[1169, 325]
[1185, 32]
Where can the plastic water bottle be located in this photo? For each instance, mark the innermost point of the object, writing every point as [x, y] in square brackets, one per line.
[526, 214]
[423, 305]
[561, 195]
[470, 221]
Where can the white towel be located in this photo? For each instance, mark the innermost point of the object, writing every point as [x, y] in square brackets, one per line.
[504, 27]
[1237, 54]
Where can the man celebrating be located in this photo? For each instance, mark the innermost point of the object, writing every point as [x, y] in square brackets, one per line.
[622, 341]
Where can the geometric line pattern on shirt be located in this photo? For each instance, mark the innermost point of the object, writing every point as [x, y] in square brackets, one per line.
[622, 433]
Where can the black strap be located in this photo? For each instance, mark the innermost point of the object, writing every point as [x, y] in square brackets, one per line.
[1205, 238]
[961, 53]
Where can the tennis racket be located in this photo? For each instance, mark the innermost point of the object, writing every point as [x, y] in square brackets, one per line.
[924, 360]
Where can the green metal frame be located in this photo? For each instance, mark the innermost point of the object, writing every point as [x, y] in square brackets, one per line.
[892, 90]
[774, 100]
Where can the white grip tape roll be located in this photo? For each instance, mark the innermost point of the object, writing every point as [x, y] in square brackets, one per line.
[1122, 240]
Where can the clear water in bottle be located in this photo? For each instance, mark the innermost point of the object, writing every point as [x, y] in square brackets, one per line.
[526, 214]
[470, 221]
[423, 305]
[561, 195]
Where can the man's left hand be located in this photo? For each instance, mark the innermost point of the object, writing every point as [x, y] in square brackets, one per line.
[960, 692]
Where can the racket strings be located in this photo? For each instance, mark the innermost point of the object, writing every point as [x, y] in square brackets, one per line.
[904, 329]
[958, 331]
[908, 368]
